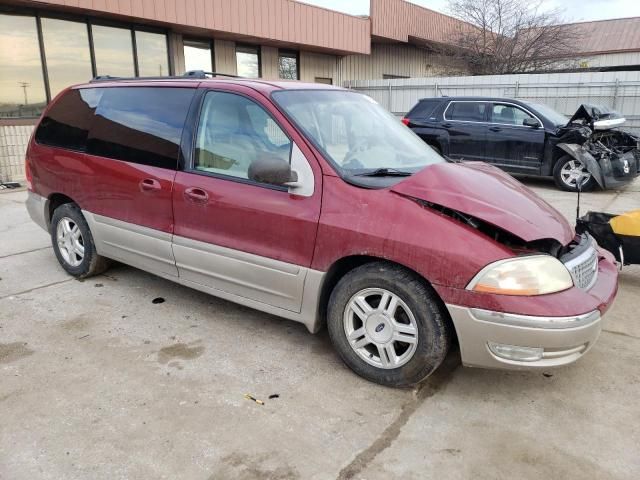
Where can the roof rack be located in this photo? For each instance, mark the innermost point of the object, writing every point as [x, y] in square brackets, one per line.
[201, 74]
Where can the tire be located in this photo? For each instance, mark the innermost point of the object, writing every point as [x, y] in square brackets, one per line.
[414, 362]
[69, 219]
[564, 163]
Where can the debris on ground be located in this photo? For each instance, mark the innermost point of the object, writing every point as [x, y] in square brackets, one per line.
[251, 397]
[274, 395]
[157, 300]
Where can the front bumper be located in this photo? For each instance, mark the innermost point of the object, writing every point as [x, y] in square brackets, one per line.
[486, 338]
[620, 170]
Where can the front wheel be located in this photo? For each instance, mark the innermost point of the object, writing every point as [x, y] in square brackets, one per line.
[387, 326]
[568, 171]
[73, 243]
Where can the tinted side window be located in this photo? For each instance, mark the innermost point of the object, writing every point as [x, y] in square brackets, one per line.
[67, 122]
[508, 114]
[423, 109]
[140, 124]
[466, 111]
[233, 133]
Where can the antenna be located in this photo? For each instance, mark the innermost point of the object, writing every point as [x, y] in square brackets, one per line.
[579, 182]
[24, 86]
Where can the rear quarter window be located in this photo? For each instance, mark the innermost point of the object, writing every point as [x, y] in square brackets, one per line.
[423, 109]
[134, 124]
[66, 124]
[140, 125]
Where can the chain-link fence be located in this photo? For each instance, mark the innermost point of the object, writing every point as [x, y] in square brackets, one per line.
[13, 144]
[564, 92]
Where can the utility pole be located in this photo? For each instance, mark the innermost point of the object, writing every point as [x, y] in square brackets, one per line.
[24, 86]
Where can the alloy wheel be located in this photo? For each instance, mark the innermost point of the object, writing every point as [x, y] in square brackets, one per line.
[380, 328]
[574, 171]
[70, 241]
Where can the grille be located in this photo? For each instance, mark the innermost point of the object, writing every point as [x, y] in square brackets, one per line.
[584, 268]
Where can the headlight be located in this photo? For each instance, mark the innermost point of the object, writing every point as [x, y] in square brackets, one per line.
[532, 275]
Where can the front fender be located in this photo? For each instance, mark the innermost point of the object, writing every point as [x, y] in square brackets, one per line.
[579, 153]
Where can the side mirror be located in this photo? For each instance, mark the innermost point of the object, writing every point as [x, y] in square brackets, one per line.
[531, 122]
[272, 170]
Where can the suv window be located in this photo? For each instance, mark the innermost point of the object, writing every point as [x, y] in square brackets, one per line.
[466, 111]
[66, 124]
[140, 124]
[508, 114]
[234, 132]
[423, 109]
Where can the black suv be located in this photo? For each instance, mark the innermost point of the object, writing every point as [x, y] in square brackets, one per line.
[530, 138]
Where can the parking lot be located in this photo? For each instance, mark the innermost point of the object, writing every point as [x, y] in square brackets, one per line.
[126, 375]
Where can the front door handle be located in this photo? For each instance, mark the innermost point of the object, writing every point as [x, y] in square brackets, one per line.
[495, 129]
[196, 195]
[447, 125]
[150, 185]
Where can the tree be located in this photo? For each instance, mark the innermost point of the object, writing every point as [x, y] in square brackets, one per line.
[510, 36]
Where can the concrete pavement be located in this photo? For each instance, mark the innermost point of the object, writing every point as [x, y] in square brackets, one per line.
[99, 382]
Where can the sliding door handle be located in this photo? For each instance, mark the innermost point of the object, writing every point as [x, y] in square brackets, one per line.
[196, 195]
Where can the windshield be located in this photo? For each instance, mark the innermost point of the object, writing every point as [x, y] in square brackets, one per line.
[355, 133]
[554, 117]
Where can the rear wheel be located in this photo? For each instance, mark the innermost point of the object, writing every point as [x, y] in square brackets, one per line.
[386, 325]
[73, 243]
[568, 171]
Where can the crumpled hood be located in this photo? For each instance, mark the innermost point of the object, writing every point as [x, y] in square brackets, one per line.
[487, 193]
[597, 117]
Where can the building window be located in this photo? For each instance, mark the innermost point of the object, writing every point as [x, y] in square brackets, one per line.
[325, 80]
[113, 49]
[197, 55]
[153, 54]
[66, 48]
[248, 61]
[288, 65]
[22, 87]
[30, 76]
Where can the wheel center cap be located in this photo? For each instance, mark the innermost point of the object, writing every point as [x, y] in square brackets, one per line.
[379, 328]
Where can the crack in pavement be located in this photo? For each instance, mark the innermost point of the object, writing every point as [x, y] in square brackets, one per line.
[622, 334]
[37, 288]
[429, 388]
[26, 251]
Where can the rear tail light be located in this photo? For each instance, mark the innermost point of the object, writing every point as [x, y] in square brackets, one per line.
[27, 172]
[405, 120]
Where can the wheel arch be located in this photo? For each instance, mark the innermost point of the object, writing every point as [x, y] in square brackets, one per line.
[54, 201]
[346, 264]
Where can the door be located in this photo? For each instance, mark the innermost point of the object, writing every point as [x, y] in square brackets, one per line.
[131, 161]
[465, 122]
[233, 233]
[511, 144]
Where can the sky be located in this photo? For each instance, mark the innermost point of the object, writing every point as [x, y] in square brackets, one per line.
[574, 10]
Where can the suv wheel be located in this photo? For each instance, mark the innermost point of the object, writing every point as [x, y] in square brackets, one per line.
[568, 170]
[73, 243]
[386, 325]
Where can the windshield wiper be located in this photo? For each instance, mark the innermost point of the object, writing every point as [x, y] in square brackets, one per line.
[384, 172]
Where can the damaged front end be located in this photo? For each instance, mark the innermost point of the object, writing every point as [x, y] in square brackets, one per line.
[610, 155]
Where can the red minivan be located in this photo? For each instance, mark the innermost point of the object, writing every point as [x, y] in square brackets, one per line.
[315, 204]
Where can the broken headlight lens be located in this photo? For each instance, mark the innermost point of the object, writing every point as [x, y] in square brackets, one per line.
[531, 275]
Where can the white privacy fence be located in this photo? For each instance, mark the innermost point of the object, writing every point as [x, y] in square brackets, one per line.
[562, 91]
